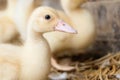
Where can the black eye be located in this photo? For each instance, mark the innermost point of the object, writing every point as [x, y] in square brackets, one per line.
[47, 17]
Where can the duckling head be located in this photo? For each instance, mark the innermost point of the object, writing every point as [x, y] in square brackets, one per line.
[72, 4]
[46, 19]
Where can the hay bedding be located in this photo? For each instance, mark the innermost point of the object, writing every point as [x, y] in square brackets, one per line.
[104, 68]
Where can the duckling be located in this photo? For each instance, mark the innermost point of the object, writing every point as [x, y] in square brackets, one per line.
[23, 10]
[83, 22]
[14, 19]
[32, 60]
[7, 26]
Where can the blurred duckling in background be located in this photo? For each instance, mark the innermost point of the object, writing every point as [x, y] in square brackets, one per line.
[7, 26]
[82, 21]
[23, 10]
[14, 19]
[32, 60]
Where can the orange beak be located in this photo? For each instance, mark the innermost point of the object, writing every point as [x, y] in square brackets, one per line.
[64, 27]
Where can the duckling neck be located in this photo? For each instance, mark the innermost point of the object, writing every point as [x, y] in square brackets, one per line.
[37, 45]
[36, 58]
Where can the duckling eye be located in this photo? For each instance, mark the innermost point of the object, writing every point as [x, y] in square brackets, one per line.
[47, 17]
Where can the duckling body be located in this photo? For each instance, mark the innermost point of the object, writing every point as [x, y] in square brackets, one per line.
[9, 62]
[32, 60]
[84, 23]
[28, 62]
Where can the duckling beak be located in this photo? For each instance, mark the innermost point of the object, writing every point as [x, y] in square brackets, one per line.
[64, 27]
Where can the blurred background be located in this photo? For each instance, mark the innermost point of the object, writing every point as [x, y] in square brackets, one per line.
[107, 18]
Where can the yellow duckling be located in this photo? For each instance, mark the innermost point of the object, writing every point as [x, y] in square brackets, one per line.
[23, 10]
[7, 26]
[32, 60]
[82, 21]
[14, 19]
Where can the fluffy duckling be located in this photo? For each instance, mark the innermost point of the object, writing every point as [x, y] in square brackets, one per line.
[23, 10]
[32, 60]
[82, 21]
[14, 19]
[7, 26]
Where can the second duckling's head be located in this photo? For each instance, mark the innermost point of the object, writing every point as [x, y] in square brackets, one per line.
[71, 4]
[46, 19]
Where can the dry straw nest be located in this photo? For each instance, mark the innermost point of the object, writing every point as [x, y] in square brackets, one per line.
[104, 68]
